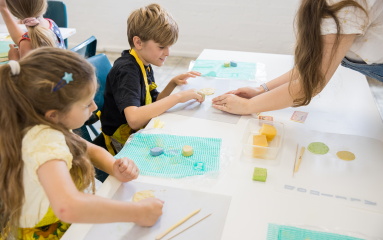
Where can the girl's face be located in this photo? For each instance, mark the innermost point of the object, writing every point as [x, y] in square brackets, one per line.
[79, 113]
[154, 53]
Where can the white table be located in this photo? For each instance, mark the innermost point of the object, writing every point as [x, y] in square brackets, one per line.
[346, 106]
[66, 32]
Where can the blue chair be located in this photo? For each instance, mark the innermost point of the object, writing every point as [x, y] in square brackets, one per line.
[86, 49]
[103, 66]
[57, 12]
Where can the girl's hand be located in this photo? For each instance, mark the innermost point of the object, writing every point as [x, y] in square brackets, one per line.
[189, 95]
[3, 5]
[150, 211]
[232, 104]
[125, 170]
[246, 92]
[181, 79]
[13, 53]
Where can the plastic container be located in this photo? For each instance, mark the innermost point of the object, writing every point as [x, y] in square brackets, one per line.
[252, 128]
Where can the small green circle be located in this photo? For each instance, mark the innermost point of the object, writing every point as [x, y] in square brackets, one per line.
[318, 148]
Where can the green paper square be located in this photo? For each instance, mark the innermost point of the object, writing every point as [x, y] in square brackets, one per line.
[260, 174]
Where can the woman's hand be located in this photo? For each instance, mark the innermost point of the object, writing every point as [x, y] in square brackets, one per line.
[247, 92]
[181, 79]
[125, 170]
[232, 104]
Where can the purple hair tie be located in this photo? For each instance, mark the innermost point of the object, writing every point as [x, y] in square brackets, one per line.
[31, 22]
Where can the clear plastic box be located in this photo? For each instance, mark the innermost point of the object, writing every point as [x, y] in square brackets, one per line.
[252, 128]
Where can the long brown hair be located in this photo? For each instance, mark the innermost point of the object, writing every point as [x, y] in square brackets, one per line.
[309, 45]
[22, 9]
[24, 100]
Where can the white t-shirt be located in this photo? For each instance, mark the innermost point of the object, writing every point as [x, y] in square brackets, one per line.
[368, 44]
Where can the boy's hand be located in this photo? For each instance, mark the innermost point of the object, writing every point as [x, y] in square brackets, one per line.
[189, 95]
[181, 79]
[13, 53]
[125, 170]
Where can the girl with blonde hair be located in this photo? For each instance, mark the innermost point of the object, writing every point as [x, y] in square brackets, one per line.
[41, 31]
[44, 167]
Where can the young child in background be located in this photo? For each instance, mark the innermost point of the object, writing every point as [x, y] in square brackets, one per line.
[44, 167]
[41, 31]
[131, 98]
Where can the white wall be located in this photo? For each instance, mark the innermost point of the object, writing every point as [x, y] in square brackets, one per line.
[241, 25]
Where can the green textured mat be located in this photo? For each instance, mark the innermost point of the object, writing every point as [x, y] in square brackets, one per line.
[215, 68]
[172, 163]
[4, 48]
[281, 232]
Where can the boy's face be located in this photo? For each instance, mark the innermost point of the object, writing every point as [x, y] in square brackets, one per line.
[153, 53]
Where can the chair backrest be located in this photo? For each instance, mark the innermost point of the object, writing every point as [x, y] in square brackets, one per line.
[103, 66]
[86, 49]
[57, 12]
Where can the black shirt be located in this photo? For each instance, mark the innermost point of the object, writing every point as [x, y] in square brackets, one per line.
[125, 87]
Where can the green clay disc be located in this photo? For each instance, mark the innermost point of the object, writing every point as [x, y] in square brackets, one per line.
[318, 148]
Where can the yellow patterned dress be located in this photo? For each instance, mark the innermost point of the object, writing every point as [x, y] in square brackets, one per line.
[38, 222]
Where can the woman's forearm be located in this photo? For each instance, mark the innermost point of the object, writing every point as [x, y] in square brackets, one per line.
[276, 99]
[279, 81]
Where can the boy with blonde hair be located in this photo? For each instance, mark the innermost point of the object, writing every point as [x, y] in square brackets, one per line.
[131, 98]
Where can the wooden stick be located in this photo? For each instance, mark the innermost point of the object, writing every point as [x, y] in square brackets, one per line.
[190, 226]
[295, 162]
[161, 235]
[299, 159]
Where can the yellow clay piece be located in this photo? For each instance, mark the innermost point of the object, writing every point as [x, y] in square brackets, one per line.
[261, 141]
[269, 131]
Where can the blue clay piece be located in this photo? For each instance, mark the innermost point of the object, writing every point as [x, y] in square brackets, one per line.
[233, 64]
[156, 151]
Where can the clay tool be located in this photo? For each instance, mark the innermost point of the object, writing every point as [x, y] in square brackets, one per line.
[161, 235]
[190, 226]
[295, 162]
[299, 159]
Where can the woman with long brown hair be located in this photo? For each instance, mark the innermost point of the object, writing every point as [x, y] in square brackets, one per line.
[329, 33]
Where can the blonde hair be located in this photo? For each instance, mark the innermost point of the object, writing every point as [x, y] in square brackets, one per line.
[24, 100]
[152, 22]
[22, 9]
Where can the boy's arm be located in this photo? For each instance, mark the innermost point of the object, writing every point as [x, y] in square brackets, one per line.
[13, 28]
[177, 80]
[139, 116]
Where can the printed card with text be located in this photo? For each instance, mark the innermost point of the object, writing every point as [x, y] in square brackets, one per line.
[299, 116]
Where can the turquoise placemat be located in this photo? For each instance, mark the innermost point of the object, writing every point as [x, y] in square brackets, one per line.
[215, 68]
[172, 163]
[281, 232]
[4, 48]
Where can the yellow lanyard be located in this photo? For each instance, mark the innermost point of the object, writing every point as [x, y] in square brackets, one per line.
[148, 98]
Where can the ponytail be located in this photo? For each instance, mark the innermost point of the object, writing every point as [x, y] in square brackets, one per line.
[26, 94]
[41, 37]
[309, 45]
[12, 103]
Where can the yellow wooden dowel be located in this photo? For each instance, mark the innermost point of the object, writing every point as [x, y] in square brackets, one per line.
[299, 159]
[159, 236]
